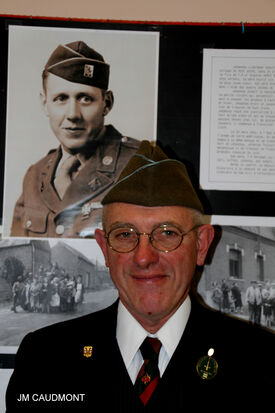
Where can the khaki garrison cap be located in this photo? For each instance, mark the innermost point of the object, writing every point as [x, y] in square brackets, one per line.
[78, 63]
[152, 179]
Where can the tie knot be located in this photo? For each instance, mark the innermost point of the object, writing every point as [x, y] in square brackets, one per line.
[150, 348]
[71, 165]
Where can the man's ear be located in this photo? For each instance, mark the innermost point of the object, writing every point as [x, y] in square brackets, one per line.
[205, 237]
[43, 101]
[109, 102]
[102, 242]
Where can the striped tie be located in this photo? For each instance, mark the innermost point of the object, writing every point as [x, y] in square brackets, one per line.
[148, 376]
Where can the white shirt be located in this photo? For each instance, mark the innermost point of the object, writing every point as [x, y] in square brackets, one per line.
[130, 335]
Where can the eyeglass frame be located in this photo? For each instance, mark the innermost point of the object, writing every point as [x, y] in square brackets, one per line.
[151, 239]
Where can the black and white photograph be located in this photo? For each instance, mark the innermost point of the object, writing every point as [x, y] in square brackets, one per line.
[46, 281]
[79, 103]
[240, 280]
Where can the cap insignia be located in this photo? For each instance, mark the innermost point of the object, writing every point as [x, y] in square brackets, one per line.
[88, 70]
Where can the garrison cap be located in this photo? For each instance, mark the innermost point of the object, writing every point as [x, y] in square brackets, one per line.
[152, 179]
[79, 63]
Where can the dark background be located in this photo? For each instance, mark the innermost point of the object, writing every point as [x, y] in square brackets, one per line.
[179, 98]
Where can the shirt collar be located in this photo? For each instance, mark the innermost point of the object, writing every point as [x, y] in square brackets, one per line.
[130, 334]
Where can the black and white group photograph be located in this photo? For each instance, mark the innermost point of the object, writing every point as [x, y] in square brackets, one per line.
[46, 281]
[240, 277]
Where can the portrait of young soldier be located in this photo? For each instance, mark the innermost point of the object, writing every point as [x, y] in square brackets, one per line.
[156, 349]
[62, 191]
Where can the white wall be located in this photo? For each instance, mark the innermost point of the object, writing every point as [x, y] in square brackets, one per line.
[157, 10]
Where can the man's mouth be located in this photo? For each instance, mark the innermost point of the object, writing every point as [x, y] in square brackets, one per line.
[73, 129]
[149, 278]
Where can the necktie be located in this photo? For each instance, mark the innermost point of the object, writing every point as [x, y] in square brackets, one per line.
[64, 176]
[148, 376]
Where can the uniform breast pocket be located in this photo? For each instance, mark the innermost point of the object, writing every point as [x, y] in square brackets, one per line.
[36, 220]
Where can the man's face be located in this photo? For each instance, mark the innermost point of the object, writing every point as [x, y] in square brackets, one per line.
[76, 111]
[153, 284]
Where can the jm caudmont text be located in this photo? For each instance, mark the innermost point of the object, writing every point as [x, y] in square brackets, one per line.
[51, 397]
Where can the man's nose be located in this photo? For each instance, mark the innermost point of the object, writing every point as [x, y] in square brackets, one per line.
[73, 110]
[144, 253]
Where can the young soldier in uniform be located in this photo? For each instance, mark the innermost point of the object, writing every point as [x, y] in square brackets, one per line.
[62, 192]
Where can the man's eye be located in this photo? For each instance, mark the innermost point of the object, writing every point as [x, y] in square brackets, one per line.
[169, 233]
[60, 98]
[86, 99]
[124, 235]
[166, 233]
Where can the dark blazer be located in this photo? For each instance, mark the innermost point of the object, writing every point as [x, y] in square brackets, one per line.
[51, 361]
[39, 212]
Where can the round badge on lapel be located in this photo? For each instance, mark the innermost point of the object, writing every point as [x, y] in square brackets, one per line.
[207, 367]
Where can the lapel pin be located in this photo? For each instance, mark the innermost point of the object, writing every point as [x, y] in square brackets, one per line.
[87, 351]
[207, 367]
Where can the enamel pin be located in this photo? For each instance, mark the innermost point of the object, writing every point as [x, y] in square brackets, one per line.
[207, 367]
[87, 351]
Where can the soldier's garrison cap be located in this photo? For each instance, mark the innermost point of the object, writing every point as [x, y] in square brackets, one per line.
[79, 63]
[152, 179]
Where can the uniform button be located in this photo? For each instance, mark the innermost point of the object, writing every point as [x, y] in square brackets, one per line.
[124, 139]
[60, 229]
[28, 223]
[107, 160]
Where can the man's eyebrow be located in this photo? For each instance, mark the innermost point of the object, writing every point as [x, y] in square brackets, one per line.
[119, 224]
[56, 94]
[81, 94]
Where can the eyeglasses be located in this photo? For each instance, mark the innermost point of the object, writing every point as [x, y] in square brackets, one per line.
[164, 238]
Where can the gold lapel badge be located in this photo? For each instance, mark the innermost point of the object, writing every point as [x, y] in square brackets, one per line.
[87, 351]
[207, 367]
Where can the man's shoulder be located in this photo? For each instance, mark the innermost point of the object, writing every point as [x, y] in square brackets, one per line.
[114, 136]
[46, 161]
[224, 328]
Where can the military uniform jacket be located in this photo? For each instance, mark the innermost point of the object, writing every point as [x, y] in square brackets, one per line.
[51, 363]
[39, 212]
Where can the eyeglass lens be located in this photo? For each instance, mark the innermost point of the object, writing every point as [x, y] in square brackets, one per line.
[163, 238]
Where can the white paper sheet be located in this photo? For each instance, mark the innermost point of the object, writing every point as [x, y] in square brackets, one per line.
[238, 120]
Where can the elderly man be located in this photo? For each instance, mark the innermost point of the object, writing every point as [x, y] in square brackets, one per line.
[62, 192]
[156, 349]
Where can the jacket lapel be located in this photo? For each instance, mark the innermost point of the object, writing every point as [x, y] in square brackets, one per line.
[48, 194]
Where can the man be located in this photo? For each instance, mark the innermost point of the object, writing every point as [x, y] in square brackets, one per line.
[62, 192]
[17, 289]
[253, 299]
[156, 349]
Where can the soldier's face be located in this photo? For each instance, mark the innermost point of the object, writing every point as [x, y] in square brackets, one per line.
[152, 284]
[76, 111]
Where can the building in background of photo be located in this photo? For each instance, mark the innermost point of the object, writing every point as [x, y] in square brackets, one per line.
[94, 275]
[243, 255]
[19, 257]
[24, 257]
